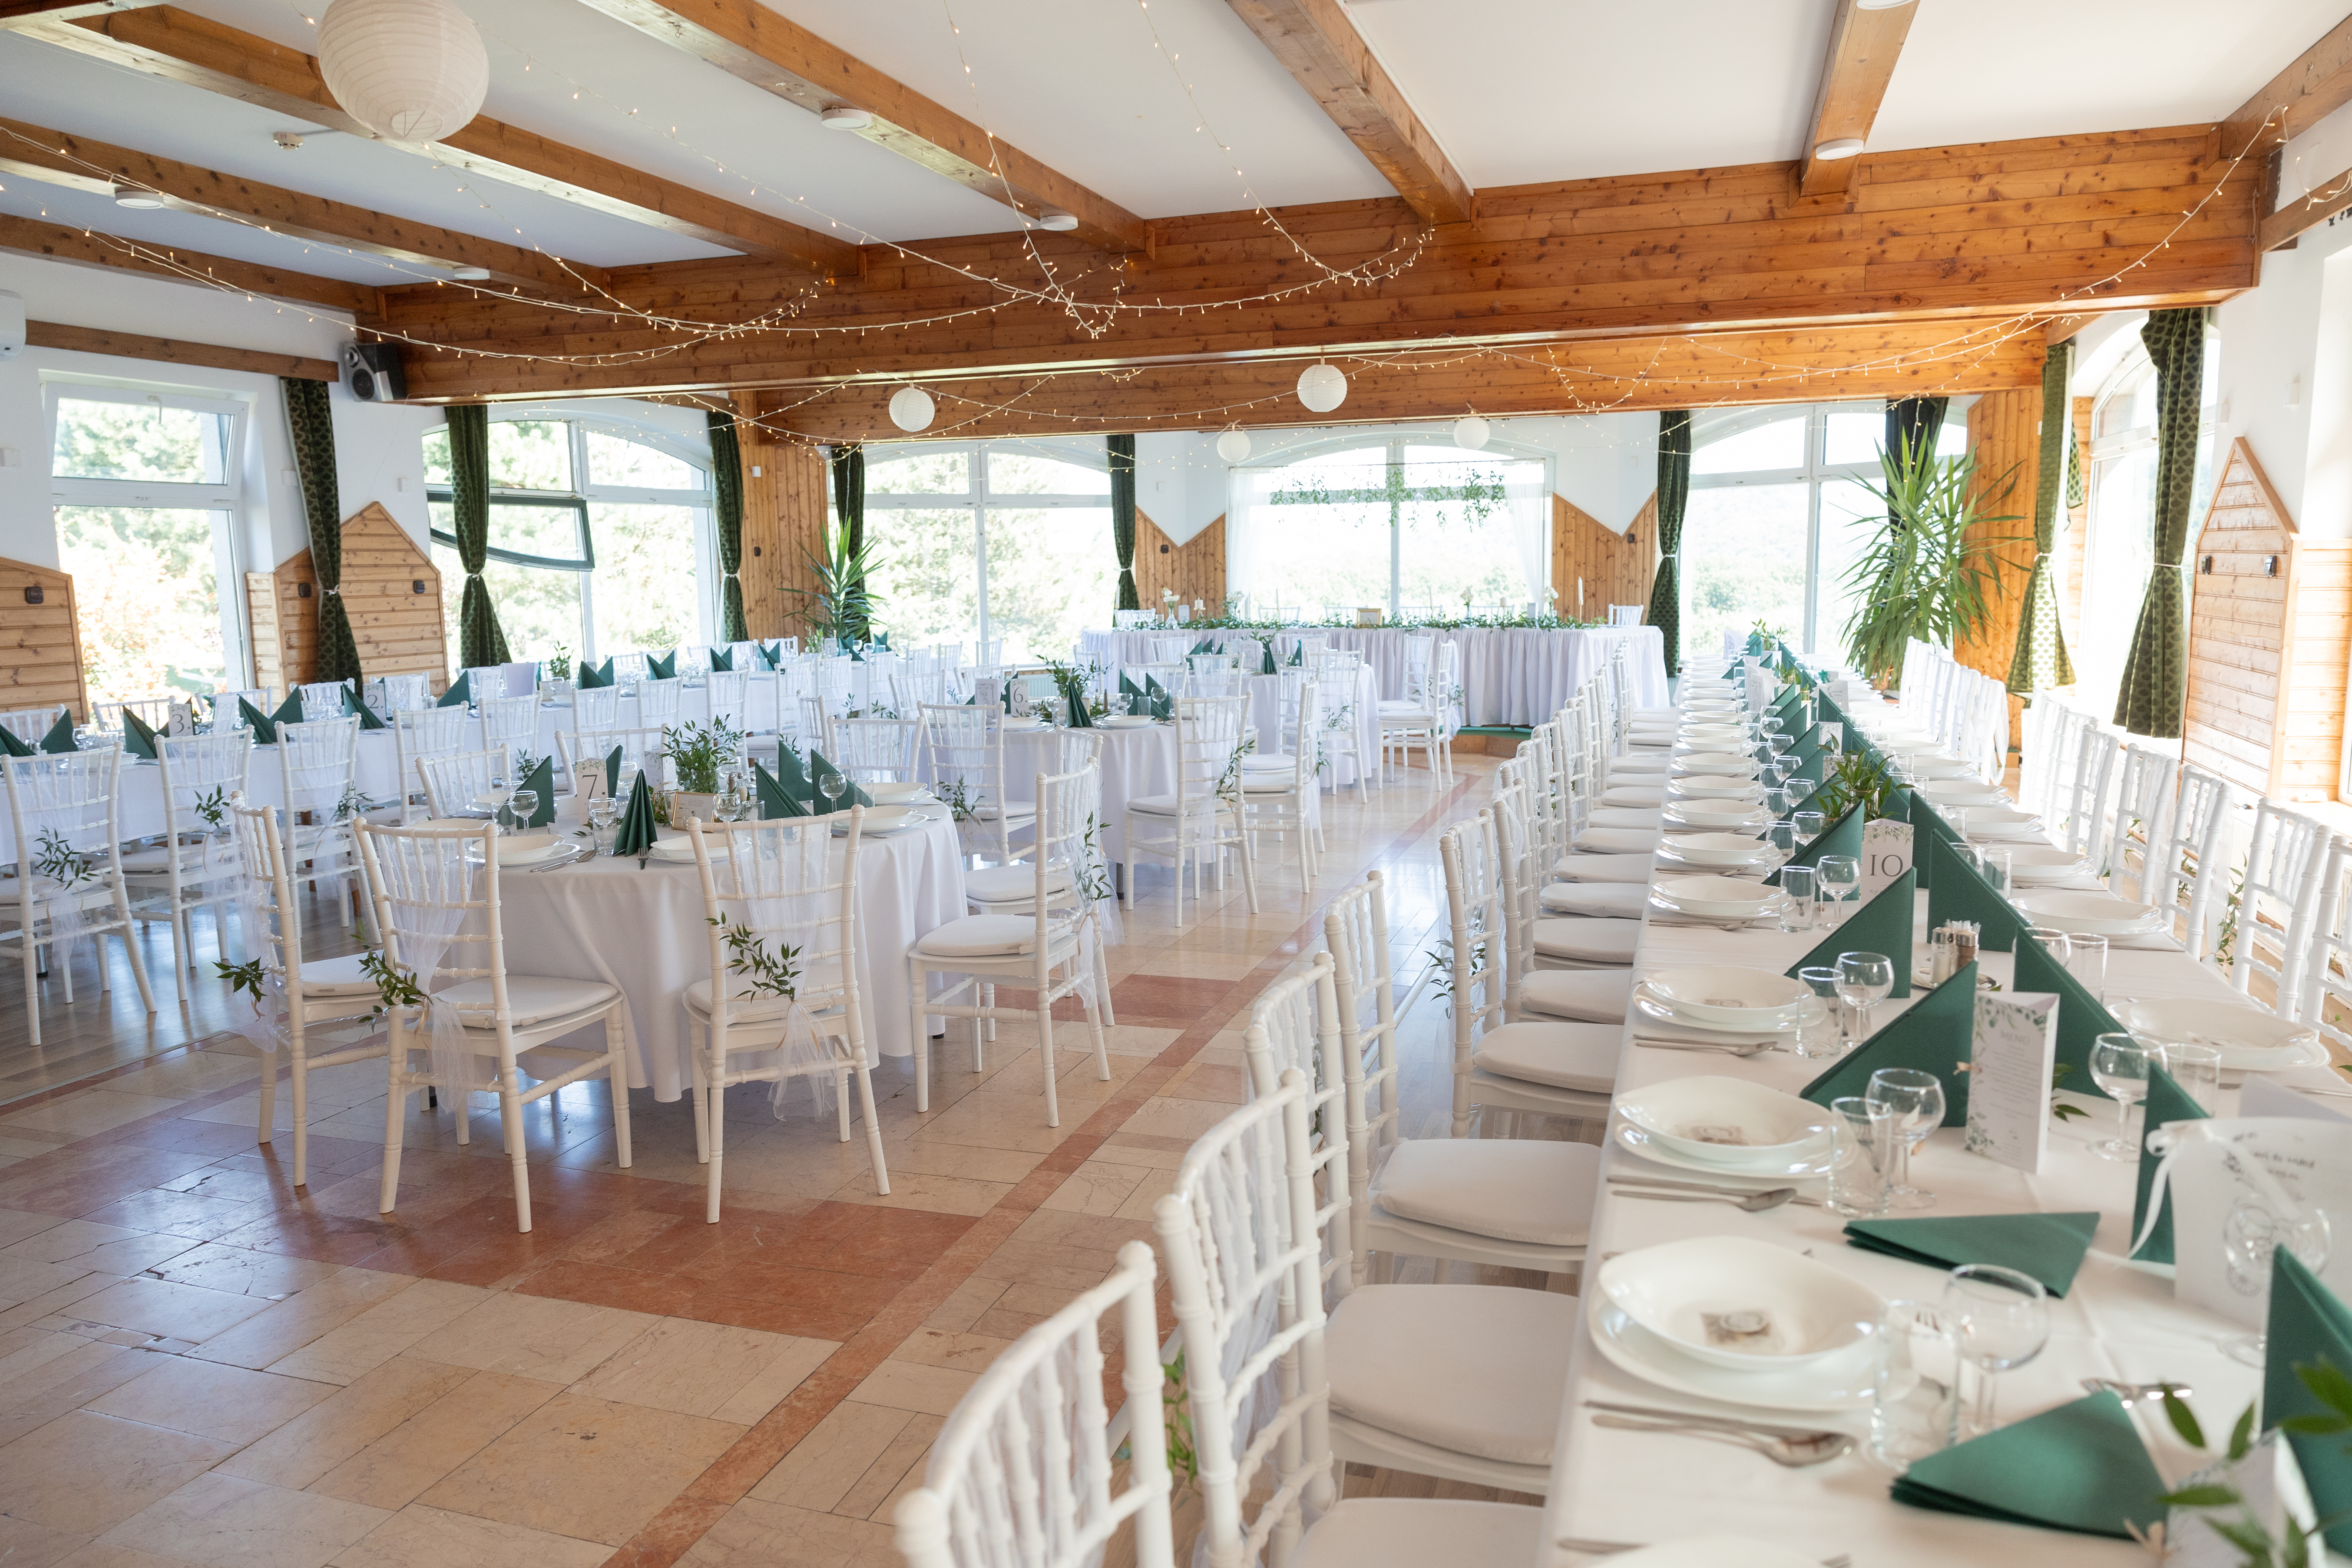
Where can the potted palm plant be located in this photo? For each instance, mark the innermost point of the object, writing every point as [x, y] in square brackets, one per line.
[841, 605]
[1928, 572]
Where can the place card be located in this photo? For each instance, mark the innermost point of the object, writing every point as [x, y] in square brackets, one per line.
[2013, 1045]
[1885, 853]
[2226, 1177]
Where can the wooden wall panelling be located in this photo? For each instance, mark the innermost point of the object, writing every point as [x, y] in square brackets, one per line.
[399, 630]
[1194, 569]
[784, 509]
[1610, 568]
[2005, 433]
[2270, 628]
[40, 645]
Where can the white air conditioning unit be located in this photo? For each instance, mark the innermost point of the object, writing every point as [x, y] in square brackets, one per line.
[12, 323]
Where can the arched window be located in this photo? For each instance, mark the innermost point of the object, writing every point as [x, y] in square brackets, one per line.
[1778, 515]
[1012, 538]
[598, 533]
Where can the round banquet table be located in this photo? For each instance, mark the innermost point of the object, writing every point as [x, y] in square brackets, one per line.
[1137, 760]
[645, 931]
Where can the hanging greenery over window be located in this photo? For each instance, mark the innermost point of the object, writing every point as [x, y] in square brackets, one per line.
[1480, 495]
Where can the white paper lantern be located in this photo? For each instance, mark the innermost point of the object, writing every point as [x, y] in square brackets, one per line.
[911, 408]
[413, 70]
[1233, 446]
[1322, 388]
[1470, 433]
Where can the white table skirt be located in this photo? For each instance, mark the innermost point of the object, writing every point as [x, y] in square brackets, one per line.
[1518, 677]
[2118, 1321]
[644, 930]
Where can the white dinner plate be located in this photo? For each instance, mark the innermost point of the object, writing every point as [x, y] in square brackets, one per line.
[529, 850]
[1666, 1013]
[2251, 1039]
[1941, 768]
[1020, 724]
[1716, 848]
[1964, 794]
[491, 800]
[1711, 813]
[1741, 1304]
[1716, 786]
[1734, 763]
[2001, 824]
[1729, 1123]
[2033, 865]
[885, 818]
[679, 849]
[1838, 1383]
[898, 794]
[1124, 721]
[1718, 898]
[2094, 914]
[1722, 993]
[1713, 1552]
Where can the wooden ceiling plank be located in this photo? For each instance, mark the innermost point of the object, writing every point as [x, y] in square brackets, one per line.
[172, 45]
[2281, 228]
[13, 12]
[1322, 50]
[55, 242]
[171, 351]
[1864, 47]
[747, 40]
[2318, 82]
[56, 158]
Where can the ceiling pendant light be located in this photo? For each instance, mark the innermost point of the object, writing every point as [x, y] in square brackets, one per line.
[1322, 388]
[841, 117]
[1055, 222]
[413, 70]
[1840, 147]
[1233, 446]
[911, 409]
[1470, 432]
[136, 196]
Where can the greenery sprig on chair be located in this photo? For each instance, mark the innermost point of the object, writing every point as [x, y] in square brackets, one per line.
[768, 973]
[1926, 573]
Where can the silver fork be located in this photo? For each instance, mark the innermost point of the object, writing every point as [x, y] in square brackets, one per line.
[1610, 1548]
[1744, 1049]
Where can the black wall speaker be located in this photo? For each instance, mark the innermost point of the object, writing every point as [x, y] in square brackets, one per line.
[372, 373]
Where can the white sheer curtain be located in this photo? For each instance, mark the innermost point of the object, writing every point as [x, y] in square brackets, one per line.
[1249, 512]
[1528, 500]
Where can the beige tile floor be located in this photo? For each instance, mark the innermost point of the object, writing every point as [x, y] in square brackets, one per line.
[201, 1364]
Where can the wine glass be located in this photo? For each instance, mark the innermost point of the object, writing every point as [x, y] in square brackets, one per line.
[2001, 1319]
[1863, 981]
[727, 806]
[2251, 1237]
[1799, 791]
[1780, 741]
[1840, 879]
[519, 807]
[1778, 771]
[1807, 824]
[2119, 1065]
[832, 786]
[1915, 1098]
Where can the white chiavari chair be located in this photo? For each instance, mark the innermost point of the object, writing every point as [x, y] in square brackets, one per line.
[1557, 940]
[511, 722]
[1489, 979]
[453, 784]
[321, 699]
[596, 708]
[657, 700]
[420, 733]
[2189, 866]
[2324, 1000]
[1286, 799]
[155, 713]
[630, 669]
[196, 865]
[874, 750]
[403, 692]
[69, 883]
[964, 753]
[1419, 719]
[262, 698]
[2137, 823]
[642, 748]
[30, 724]
[1199, 820]
[2081, 819]
[2278, 903]
[316, 767]
[438, 909]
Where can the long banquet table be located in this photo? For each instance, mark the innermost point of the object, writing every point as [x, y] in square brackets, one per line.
[1515, 675]
[2120, 1319]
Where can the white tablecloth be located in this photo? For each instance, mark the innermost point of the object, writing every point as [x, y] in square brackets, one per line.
[1511, 676]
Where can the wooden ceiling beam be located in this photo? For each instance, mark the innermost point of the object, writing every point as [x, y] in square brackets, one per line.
[747, 40]
[172, 45]
[2317, 83]
[172, 351]
[1321, 49]
[55, 158]
[55, 242]
[14, 11]
[2281, 228]
[1864, 47]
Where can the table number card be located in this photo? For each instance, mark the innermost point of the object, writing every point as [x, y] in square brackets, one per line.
[1886, 854]
[2014, 1045]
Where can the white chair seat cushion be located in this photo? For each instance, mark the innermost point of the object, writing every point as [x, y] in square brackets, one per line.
[1268, 762]
[1617, 841]
[1587, 939]
[1414, 1532]
[1478, 1369]
[1538, 1191]
[980, 936]
[1637, 796]
[1272, 784]
[1010, 884]
[1640, 713]
[1589, 996]
[1406, 718]
[531, 998]
[1012, 811]
[1616, 867]
[1608, 816]
[1636, 768]
[147, 862]
[1165, 804]
[1606, 901]
[335, 977]
[742, 1009]
[1578, 1057]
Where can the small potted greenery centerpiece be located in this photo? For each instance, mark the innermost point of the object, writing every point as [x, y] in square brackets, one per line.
[699, 752]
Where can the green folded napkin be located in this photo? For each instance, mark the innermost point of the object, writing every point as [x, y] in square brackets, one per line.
[11, 745]
[722, 658]
[612, 773]
[586, 676]
[1755, 643]
[1957, 892]
[1206, 644]
[795, 783]
[2049, 1247]
[137, 736]
[1163, 706]
[636, 833]
[851, 650]
[1269, 666]
[882, 641]
[1935, 1034]
[772, 657]
[291, 710]
[352, 704]
[1925, 822]
[1138, 702]
[2081, 1020]
[853, 796]
[1812, 766]
[1881, 925]
[461, 692]
[2309, 1324]
[1074, 694]
[2167, 1101]
[265, 729]
[2080, 1468]
[1843, 837]
[662, 666]
[60, 737]
[774, 800]
[1298, 653]
[540, 781]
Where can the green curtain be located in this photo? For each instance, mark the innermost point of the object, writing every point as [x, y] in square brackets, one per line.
[2041, 661]
[310, 422]
[1915, 422]
[726, 506]
[1674, 493]
[480, 640]
[1123, 516]
[849, 464]
[2156, 671]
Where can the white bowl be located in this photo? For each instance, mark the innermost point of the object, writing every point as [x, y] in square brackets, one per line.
[1124, 721]
[2034, 865]
[2001, 823]
[1718, 762]
[882, 818]
[1718, 897]
[1716, 786]
[1692, 1293]
[1941, 768]
[523, 849]
[1964, 794]
[1715, 849]
[2251, 1040]
[893, 793]
[1726, 1121]
[2094, 914]
[1711, 813]
[1724, 994]
[680, 848]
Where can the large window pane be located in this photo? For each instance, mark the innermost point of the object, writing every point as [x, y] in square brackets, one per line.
[1029, 474]
[925, 583]
[539, 607]
[613, 460]
[946, 471]
[644, 581]
[530, 455]
[1779, 444]
[550, 532]
[1743, 559]
[436, 459]
[2120, 549]
[1320, 559]
[1454, 549]
[1051, 574]
[1849, 519]
[1855, 437]
[140, 441]
[147, 598]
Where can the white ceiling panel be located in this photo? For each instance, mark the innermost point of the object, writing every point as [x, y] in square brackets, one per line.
[190, 232]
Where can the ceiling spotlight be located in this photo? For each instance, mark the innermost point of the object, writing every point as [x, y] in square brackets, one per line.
[1470, 432]
[1322, 388]
[1233, 446]
[1843, 147]
[136, 196]
[469, 274]
[841, 117]
[289, 139]
[1057, 222]
[911, 409]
